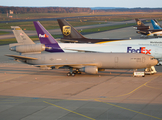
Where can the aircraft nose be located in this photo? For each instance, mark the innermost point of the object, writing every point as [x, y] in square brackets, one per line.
[156, 61]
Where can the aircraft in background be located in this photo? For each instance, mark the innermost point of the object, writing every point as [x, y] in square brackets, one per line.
[51, 45]
[145, 30]
[70, 34]
[156, 24]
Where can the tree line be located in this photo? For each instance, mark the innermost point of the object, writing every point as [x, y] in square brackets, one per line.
[5, 9]
[43, 9]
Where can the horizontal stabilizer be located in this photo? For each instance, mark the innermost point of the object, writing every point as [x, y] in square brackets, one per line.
[21, 57]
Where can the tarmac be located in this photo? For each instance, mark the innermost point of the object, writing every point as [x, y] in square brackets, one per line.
[27, 93]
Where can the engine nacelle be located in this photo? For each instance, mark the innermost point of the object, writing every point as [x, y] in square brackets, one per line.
[90, 69]
[142, 27]
[28, 48]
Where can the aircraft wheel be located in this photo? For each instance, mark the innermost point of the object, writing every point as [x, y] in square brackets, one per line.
[73, 74]
[69, 74]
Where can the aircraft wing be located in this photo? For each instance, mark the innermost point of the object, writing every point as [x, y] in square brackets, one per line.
[22, 57]
[74, 65]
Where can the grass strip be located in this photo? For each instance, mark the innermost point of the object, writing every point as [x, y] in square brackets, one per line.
[101, 29]
[4, 33]
[13, 40]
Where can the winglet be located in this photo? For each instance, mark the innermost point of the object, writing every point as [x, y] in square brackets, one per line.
[68, 30]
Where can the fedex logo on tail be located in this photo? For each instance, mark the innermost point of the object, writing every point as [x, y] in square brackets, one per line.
[142, 50]
[43, 36]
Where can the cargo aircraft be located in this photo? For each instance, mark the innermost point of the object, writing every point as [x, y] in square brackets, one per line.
[49, 44]
[156, 25]
[78, 62]
[71, 35]
[145, 30]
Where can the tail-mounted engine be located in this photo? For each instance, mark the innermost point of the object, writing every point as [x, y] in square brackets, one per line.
[28, 48]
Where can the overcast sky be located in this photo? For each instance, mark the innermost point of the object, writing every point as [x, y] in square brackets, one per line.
[83, 3]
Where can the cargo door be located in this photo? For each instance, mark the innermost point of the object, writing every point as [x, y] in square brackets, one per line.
[116, 60]
[143, 59]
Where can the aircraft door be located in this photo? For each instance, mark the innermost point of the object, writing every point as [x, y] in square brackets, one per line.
[143, 59]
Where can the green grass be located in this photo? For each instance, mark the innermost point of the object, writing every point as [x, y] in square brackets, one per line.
[47, 24]
[100, 29]
[3, 32]
[13, 40]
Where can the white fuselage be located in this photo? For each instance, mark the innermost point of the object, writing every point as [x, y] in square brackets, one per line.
[147, 46]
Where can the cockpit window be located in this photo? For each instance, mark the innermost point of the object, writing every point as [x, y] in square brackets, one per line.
[152, 58]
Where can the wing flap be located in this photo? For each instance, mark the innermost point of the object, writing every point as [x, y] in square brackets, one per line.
[22, 57]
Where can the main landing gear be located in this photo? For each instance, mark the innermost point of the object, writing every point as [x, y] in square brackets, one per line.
[73, 72]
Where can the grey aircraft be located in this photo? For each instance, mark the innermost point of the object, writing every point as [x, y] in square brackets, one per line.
[89, 63]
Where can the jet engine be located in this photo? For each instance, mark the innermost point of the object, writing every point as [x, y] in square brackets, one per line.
[90, 69]
[142, 27]
[28, 48]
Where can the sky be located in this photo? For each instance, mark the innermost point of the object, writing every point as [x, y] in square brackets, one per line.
[83, 3]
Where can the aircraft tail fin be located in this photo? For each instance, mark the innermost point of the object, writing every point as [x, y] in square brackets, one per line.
[156, 24]
[68, 30]
[44, 36]
[139, 22]
[140, 25]
[21, 37]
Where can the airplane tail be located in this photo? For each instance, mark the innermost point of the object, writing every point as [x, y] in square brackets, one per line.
[156, 24]
[46, 38]
[21, 37]
[140, 25]
[139, 22]
[68, 30]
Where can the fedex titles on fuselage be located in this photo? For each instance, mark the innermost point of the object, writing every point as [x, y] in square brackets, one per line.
[142, 50]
